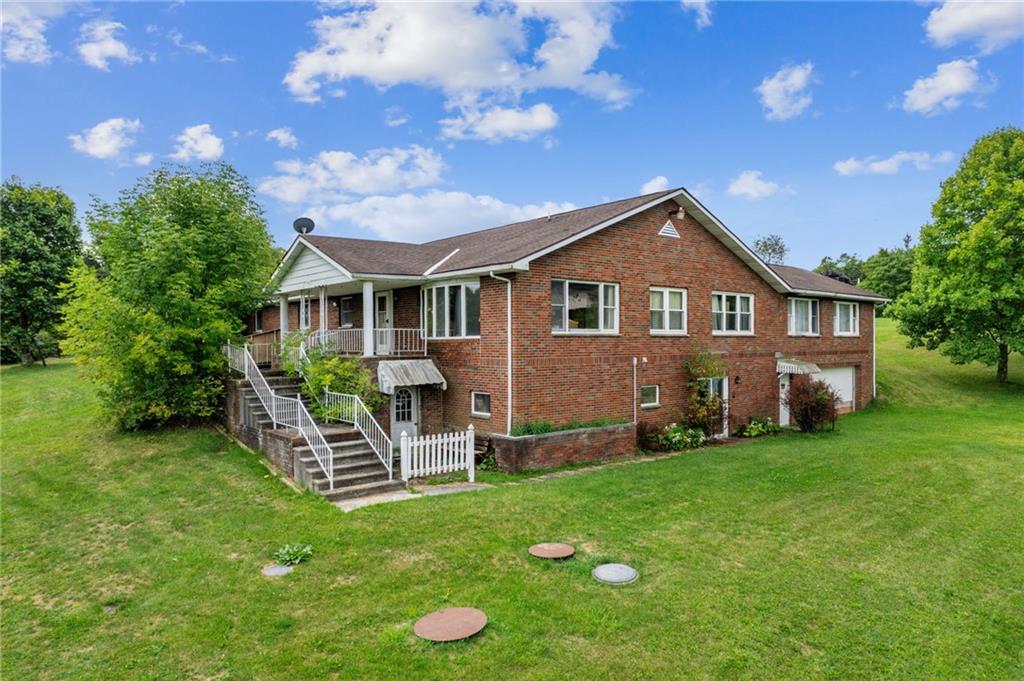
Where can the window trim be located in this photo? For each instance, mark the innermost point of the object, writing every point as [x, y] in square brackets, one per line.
[791, 319]
[257, 321]
[566, 331]
[428, 289]
[657, 396]
[737, 332]
[341, 311]
[472, 404]
[856, 319]
[665, 290]
[305, 313]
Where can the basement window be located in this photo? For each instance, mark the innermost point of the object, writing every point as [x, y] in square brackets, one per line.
[481, 404]
[650, 396]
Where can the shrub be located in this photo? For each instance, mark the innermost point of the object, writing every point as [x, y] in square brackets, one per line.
[647, 436]
[812, 404]
[758, 426]
[704, 410]
[340, 375]
[289, 351]
[676, 436]
[293, 554]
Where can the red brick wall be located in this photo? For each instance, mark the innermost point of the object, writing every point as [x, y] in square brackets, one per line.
[272, 315]
[514, 454]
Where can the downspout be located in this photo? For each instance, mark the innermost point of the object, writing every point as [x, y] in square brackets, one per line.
[508, 350]
[874, 353]
[634, 390]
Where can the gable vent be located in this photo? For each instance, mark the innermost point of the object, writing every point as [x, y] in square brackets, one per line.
[669, 230]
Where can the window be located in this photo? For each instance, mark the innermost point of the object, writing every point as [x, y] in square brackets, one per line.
[650, 396]
[257, 321]
[668, 311]
[847, 319]
[803, 317]
[403, 405]
[584, 307]
[732, 314]
[452, 310]
[305, 312]
[346, 310]
[481, 403]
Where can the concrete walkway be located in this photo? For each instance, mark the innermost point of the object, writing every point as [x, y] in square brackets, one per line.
[416, 492]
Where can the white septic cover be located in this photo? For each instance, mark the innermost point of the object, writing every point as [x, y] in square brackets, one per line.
[615, 573]
[277, 570]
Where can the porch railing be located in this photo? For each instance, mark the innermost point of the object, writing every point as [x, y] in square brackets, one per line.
[387, 341]
[438, 453]
[266, 353]
[351, 409]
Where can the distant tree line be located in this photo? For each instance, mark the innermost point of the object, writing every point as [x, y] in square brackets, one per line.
[887, 272]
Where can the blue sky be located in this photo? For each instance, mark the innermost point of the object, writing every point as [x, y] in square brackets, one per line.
[831, 124]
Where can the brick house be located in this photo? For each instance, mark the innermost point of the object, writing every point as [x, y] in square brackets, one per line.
[582, 315]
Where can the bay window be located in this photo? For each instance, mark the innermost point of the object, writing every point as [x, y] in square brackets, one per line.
[668, 311]
[732, 314]
[847, 319]
[803, 317]
[452, 310]
[584, 307]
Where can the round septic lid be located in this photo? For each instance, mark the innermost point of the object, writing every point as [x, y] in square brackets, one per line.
[615, 573]
[552, 550]
[450, 624]
[277, 570]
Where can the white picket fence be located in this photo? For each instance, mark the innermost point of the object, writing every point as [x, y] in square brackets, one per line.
[439, 453]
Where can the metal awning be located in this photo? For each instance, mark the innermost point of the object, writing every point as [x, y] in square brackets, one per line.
[394, 373]
[791, 365]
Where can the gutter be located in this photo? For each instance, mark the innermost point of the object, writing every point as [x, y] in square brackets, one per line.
[508, 350]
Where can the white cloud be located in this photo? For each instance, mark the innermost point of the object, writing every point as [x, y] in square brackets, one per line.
[431, 215]
[655, 184]
[750, 184]
[108, 139]
[702, 8]
[477, 55]
[143, 159]
[990, 25]
[98, 44]
[943, 90]
[873, 165]
[784, 94]
[198, 142]
[333, 175]
[24, 30]
[178, 40]
[284, 137]
[395, 117]
[499, 123]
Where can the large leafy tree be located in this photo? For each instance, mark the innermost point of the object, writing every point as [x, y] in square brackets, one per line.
[176, 263]
[772, 248]
[967, 289]
[847, 265]
[40, 241]
[888, 271]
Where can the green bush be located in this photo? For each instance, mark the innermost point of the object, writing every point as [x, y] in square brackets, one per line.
[341, 375]
[543, 427]
[758, 426]
[677, 436]
[293, 554]
[812, 404]
[289, 351]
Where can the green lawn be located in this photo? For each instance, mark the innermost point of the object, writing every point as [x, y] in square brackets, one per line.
[892, 548]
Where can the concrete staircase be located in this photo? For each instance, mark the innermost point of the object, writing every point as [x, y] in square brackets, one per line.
[357, 470]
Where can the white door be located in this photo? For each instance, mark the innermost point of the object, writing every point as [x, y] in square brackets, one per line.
[383, 323]
[783, 393]
[720, 387]
[405, 411]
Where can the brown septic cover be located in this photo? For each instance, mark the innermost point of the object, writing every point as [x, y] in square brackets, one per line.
[450, 624]
[552, 550]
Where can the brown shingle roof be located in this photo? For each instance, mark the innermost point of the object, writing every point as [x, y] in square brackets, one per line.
[806, 280]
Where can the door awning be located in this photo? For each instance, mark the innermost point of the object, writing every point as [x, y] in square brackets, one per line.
[791, 365]
[394, 373]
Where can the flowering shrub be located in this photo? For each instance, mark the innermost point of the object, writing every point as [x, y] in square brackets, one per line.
[812, 404]
[759, 426]
[675, 436]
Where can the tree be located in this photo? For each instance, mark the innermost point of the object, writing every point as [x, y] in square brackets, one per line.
[178, 260]
[888, 271]
[772, 248]
[967, 290]
[847, 265]
[39, 243]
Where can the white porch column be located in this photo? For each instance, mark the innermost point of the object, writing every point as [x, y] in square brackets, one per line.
[323, 308]
[284, 314]
[368, 315]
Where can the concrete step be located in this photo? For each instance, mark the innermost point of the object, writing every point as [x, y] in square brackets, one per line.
[364, 490]
[344, 466]
[350, 479]
[341, 449]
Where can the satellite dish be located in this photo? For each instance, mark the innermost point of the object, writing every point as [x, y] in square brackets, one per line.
[303, 225]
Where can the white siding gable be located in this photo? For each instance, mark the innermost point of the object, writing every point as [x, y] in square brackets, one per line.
[309, 269]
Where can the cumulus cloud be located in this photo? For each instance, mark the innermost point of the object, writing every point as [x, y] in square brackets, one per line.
[198, 142]
[498, 123]
[655, 184]
[432, 214]
[751, 185]
[178, 40]
[945, 89]
[334, 175]
[874, 165]
[107, 140]
[702, 10]
[395, 117]
[98, 44]
[990, 25]
[478, 56]
[143, 159]
[284, 137]
[785, 94]
[24, 30]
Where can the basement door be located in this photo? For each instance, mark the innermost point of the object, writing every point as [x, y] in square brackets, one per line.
[783, 393]
[405, 413]
[720, 387]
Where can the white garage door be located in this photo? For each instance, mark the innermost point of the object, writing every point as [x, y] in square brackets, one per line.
[841, 379]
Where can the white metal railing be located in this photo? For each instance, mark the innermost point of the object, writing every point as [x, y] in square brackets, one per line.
[338, 341]
[351, 409]
[286, 411]
[440, 453]
[386, 341]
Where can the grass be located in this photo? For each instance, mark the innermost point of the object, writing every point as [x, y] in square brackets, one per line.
[893, 548]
